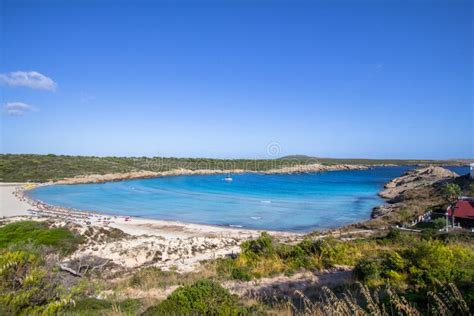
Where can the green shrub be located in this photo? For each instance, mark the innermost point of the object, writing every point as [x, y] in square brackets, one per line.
[260, 247]
[241, 273]
[422, 265]
[368, 270]
[90, 305]
[203, 297]
[27, 287]
[439, 223]
[228, 269]
[94, 306]
[38, 233]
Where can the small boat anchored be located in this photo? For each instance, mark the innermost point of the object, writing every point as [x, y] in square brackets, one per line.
[228, 178]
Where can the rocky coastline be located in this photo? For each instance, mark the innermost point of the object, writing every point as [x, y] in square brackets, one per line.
[100, 178]
[398, 191]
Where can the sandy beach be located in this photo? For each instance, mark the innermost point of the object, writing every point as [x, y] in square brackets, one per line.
[15, 203]
[142, 242]
[11, 205]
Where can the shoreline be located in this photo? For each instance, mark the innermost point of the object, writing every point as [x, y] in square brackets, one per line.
[40, 209]
[26, 205]
[131, 225]
[111, 177]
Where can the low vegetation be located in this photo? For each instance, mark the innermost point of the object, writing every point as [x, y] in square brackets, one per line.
[28, 286]
[39, 234]
[93, 306]
[41, 168]
[402, 260]
[444, 300]
[204, 297]
[401, 272]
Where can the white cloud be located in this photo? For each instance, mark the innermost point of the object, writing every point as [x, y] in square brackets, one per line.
[17, 108]
[30, 79]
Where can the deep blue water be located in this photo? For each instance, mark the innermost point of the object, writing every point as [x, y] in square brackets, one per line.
[298, 202]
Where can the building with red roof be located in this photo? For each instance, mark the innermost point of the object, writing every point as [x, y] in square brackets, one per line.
[463, 212]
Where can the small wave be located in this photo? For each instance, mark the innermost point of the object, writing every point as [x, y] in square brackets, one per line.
[236, 226]
[266, 201]
[255, 217]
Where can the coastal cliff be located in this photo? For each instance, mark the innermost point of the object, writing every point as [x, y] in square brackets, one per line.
[415, 189]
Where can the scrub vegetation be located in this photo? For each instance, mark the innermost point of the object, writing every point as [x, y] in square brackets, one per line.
[38, 234]
[400, 272]
[41, 168]
[402, 260]
[204, 297]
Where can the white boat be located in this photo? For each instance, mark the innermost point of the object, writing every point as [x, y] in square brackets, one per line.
[228, 178]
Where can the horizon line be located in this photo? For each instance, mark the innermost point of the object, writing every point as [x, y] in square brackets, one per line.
[293, 157]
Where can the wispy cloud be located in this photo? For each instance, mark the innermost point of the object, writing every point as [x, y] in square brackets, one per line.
[30, 79]
[17, 108]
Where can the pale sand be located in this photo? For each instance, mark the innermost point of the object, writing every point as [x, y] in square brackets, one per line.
[10, 205]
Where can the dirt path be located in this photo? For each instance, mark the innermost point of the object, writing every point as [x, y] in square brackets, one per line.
[287, 285]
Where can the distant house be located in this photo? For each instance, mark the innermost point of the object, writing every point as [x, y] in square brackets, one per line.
[472, 171]
[463, 212]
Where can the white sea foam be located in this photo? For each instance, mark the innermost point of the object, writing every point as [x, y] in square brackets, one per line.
[255, 217]
[266, 201]
[236, 226]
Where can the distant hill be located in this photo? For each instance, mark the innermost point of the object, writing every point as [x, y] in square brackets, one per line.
[365, 161]
[298, 157]
[463, 160]
[40, 168]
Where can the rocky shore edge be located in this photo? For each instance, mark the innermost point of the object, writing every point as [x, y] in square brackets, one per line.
[398, 190]
[309, 168]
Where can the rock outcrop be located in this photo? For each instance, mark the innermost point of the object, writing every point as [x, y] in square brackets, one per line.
[315, 167]
[385, 209]
[413, 179]
[397, 190]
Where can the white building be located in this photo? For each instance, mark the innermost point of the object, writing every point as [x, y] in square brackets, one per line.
[472, 170]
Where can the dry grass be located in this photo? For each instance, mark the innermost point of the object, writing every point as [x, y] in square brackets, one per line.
[447, 300]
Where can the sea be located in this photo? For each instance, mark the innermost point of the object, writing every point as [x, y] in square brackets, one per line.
[281, 202]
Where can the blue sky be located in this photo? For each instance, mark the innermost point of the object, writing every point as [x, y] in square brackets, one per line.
[376, 79]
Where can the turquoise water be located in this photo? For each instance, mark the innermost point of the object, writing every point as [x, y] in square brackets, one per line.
[298, 202]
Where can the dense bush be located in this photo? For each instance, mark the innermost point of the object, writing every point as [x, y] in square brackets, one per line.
[27, 286]
[38, 233]
[421, 266]
[203, 297]
[265, 257]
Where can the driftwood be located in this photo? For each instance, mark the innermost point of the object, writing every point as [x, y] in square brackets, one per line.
[67, 269]
[82, 269]
[99, 266]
